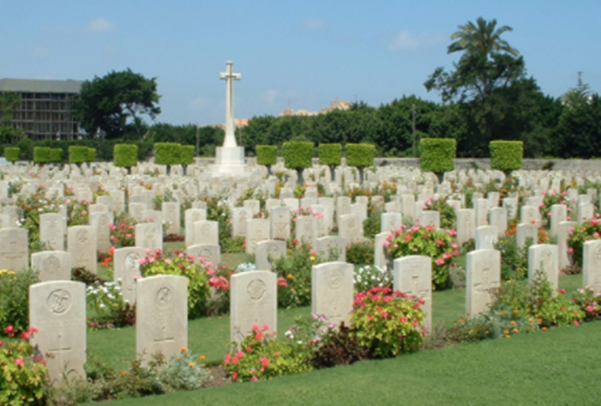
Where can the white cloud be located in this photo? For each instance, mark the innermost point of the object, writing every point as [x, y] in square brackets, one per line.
[100, 25]
[269, 96]
[406, 41]
[198, 104]
[39, 53]
[313, 24]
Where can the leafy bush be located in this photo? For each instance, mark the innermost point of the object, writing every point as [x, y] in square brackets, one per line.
[195, 269]
[372, 225]
[261, 356]
[186, 154]
[56, 154]
[420, 240]
[107, 307]
[267, 155]
[330, 154]
[514, 260]
[498, 323]
[298, 155]
[166, 153]
[123, 231]
[437, 155]
[125, 155]
[369, 276]
[551, 199]
[294, 277]
[387, 323]
[447, 212]
[338, 346]
[23, 374]
[41, 155]
[12, 154]
[78, 154]
[360, 252]
[581, 233]
[506, 155]
[360, 155]
[14, 298]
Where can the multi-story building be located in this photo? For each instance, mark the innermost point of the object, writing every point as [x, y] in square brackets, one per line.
[46, 108]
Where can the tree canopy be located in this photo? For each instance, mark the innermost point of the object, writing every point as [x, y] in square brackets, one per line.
[114, 104]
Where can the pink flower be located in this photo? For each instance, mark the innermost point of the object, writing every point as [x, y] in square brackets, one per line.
[576, 323]
[9, 329]
[167, 261]
[19, 361]
[570, 250]
[227, 359]
[415, 323]
[440, 261]
[264, 361]
[407, 238]
[590, 309]
[255, 379]
[384, 315]
[265, 327]
[255, 327]
[235, 376]
[562, 291]
[259, 336]
[439, 242]
[403, 319]
[240, 354]
[26, 335]
[249, 348]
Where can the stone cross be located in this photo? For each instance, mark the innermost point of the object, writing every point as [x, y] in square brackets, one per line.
[229, 76]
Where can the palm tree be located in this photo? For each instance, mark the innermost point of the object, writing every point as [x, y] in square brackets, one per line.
[482, 40]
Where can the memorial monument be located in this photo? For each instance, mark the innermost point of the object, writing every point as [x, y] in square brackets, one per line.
[230, 157]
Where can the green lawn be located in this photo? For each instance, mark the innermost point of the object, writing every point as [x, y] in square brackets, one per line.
[557, 367]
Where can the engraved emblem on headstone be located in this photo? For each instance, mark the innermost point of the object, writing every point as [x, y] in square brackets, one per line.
[51, 264]
[82, 236]
[334, 279]
[59, 301]
[256, 289]
[546, 259]
[163, 296]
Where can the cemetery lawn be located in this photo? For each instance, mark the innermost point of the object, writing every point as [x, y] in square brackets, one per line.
[556, 367]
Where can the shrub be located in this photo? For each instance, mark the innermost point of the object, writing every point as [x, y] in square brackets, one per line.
[581, 233]
[420, 240]
[294, 277]
[369, 276]
[437, 155]
[360, 156]
[23, 374]
[261, 356]
[514, 260]
[387, 323]
[195, 269]
[330, 155]
[107, 307]
[506, 156]
[338, 346]
[125, 155]
[167, 153]
[41, 155]
[12, 154]
[78, 154]
[186, 154]
[298, 155]
[447, 212]
[360, 252]
[267, 155]
[123, 231]
[90, 154]
[498, 323]
[14, 298]
[372, 225]
[56, 154]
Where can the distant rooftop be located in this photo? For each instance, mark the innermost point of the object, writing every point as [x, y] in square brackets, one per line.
[40, 86]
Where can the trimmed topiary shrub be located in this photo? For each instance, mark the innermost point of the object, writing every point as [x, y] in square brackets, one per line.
[506, 156]
[125, 156]
[437, 155]
[12, 154]
[41, 155]
[186, 156]
[90, 154]
[56, 155]
[167, 153]
[267, 155]
[77, 154]
[298, 155]
[360, 156]
[331, 155]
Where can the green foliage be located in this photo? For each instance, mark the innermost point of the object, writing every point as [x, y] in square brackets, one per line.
[79, 154]
[11, 154]
[437, 154]
[23, 374]
[56, 154]
[166, 153]
[41, 155]
[186, 154]
[581, 233]
[107, 308]
[330, 154]
[498, 323]
[447, 212]
[182, 265]
[267, 154]
[514, 260]
[589, 302]
[338, 346]
[262, 356]
[114, 103]
[125, 155]
[420, 240]
[387, 323]
[372, 225]
[538, 299]
[360, 252]
[360, 155]
[506, 155]
[369, 276]
[294, 277]
[298, 154]
[14, 298]
[218, 211]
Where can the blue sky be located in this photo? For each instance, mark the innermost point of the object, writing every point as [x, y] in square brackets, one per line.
[300, 55]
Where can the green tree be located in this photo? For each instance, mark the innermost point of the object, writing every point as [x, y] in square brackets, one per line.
[115, 104]
[8, 104]
[578, 134]
[485, 81]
